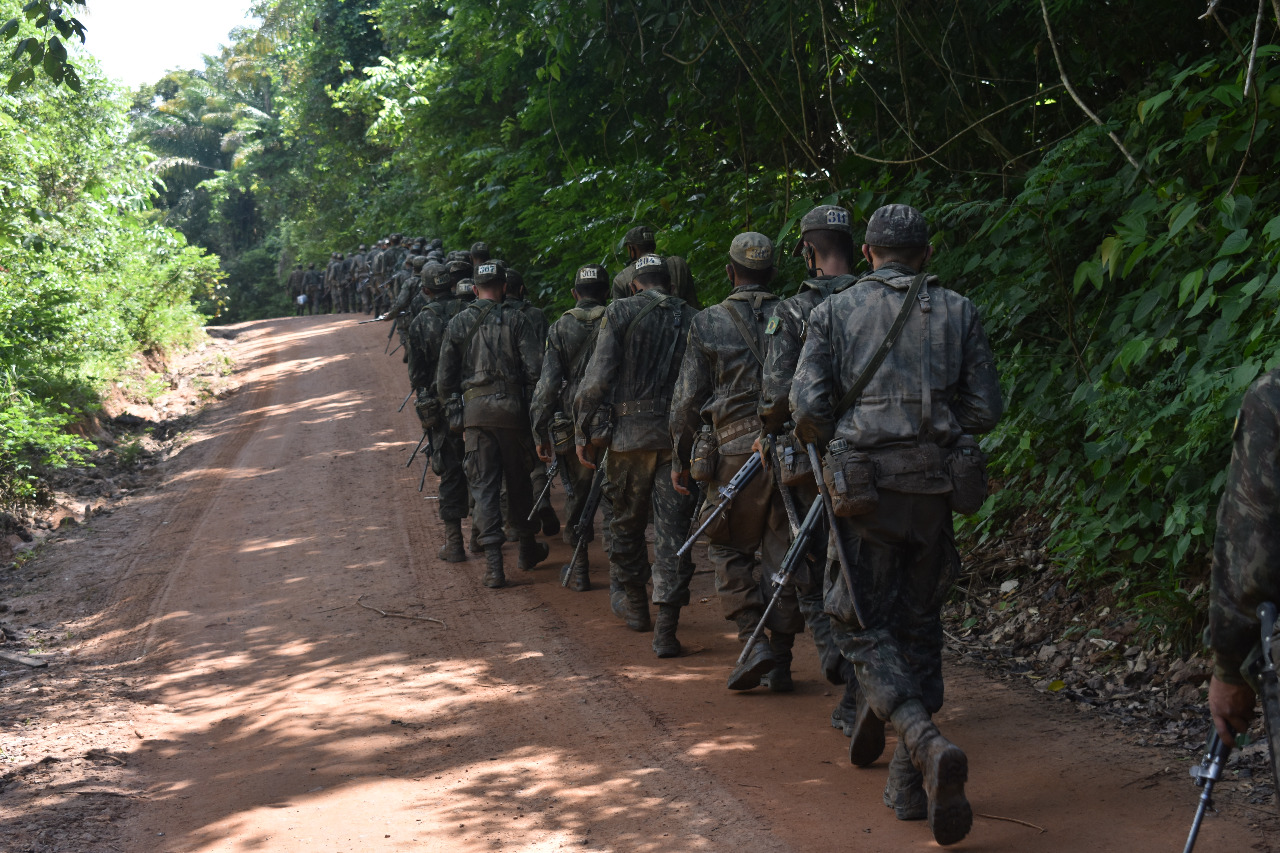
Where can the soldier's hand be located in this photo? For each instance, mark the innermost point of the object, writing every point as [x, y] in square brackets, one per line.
[381, 317]
[545, 454]
[680, 481]
[761, 446]
[1232, 708]
[586, 456]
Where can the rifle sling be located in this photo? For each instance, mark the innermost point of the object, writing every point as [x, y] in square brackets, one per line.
[890, 339]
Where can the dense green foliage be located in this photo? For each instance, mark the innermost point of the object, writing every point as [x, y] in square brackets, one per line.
[86, 280]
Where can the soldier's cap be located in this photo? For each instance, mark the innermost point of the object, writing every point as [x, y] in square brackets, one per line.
[396, 238]
[311, 265]
[646, 263]
[458, 255]
[488, 272]
[418, 261]
[479, 246]
[459, 268]
[437, 243]
[824, 217]
[515, 281]
[430, 275]
[640, 235]
[591, 274]
[897, 226]
[466, 285]
[752, 250]
[340, 256]
[362, 247]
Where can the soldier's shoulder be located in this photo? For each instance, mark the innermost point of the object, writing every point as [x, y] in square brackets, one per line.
[1265, 391]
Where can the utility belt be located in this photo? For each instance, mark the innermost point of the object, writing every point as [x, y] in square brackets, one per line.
[705, 459]
[640, 407]
[854, 476]
[497, 387]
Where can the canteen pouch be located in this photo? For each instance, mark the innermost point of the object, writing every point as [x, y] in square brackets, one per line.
[793, 461]
[850, 476]
[706, 456]
[600, 427]
[967, 465]
[429, 411]
[561, 434]
[453, 409]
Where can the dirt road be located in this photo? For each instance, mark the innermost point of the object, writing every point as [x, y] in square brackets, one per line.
[270, 709]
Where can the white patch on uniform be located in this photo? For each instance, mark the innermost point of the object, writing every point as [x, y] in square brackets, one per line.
[487, 269]
[838, 217]
[588, 273]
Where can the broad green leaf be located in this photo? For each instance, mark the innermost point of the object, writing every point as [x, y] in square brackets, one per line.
[1183, 214]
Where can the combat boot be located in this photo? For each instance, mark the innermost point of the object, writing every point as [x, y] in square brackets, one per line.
[866, 741]
[904, 792]
[579, 572]
[638, 618]
[474, 545]
[617, 598]
[944, 768]
[748, 674]
[844, 713]
[532, 552]
[778, 679]
[550, 521]
[451, 551]
[665, 644]
[494, 577]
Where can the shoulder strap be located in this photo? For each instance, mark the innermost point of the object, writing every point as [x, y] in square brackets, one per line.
[588, 344]
[751, 340]
[876, 360]
[466, 345]
[654, 302]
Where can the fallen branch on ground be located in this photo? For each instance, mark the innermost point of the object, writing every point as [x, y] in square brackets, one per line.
[400, 615]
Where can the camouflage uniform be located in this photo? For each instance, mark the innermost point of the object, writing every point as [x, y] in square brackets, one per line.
[295, 288]
[633, 371]
[491, 357]
[313, 284]
[570, 343]
[720, 385]
[928, 391]
[1246, 550]
[681, 279]
[332, 284]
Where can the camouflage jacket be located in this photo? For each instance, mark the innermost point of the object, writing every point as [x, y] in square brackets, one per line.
[633, 368]
[426, 332]
[719, 380]
[785, 336]
[533, 314]
[295, 283]
[404, 285]
[495, 369]
[570, 342]
[313, 281]
[1246, 550]
[681, 281]
[332, 275]
[848, 328]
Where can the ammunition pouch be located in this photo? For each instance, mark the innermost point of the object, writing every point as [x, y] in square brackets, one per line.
[600, 427]
[705, 458]
[453, 412]
[850, 476]
[793, 461]
[967, 465]
[718, 530]
[561, 434]
[854, 476]
[429, 410]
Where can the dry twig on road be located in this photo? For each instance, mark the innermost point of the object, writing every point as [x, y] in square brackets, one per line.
[400, 615]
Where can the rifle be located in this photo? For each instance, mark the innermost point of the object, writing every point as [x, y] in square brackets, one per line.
[426, 465]
[551, 473]
[845, 566]
[397, 349]
[1207, 772]
[795, 554]
[389, 334]
[416, 449]
[728, 492]
[405, 403]
[363, 322]
[586, 521]
[1269, 685]
[566, 482]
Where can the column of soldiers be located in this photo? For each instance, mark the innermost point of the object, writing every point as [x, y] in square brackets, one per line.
[639, 394]
[369, 280]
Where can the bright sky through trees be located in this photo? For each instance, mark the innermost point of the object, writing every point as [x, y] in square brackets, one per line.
[137, 41]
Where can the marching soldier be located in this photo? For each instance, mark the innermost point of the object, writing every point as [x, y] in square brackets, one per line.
[516, 298]
[640, 241]
[623, 405]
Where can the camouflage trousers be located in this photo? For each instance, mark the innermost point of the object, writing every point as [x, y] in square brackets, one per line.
[905, 560]
[494, 457]
[755, 521]
[446, 462]
[640, 481]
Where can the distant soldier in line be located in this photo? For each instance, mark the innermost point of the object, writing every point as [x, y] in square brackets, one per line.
[516, 298]
[903, 430]
[296, 288]
[426, 333]
[623, 405]
[387, 264]
[359, 280]
[570, 342]
[826, 242]
[479, 252]
[313, 284]
[640, 241]
[715, 404]
[402, 286]
[491, 357]
[333, 283]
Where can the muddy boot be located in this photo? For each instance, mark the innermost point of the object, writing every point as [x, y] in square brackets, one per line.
[617, 599]
[638, 618]
[474, 545]
[665, 644]
[945, 770]
[904, 792]
[511, 534]
[550, 521]
[494, 577]
[532, 552]
[579, 572]
[866, 741]
[748, 674]
[778, 679]
[451, 551]
[844, 714]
